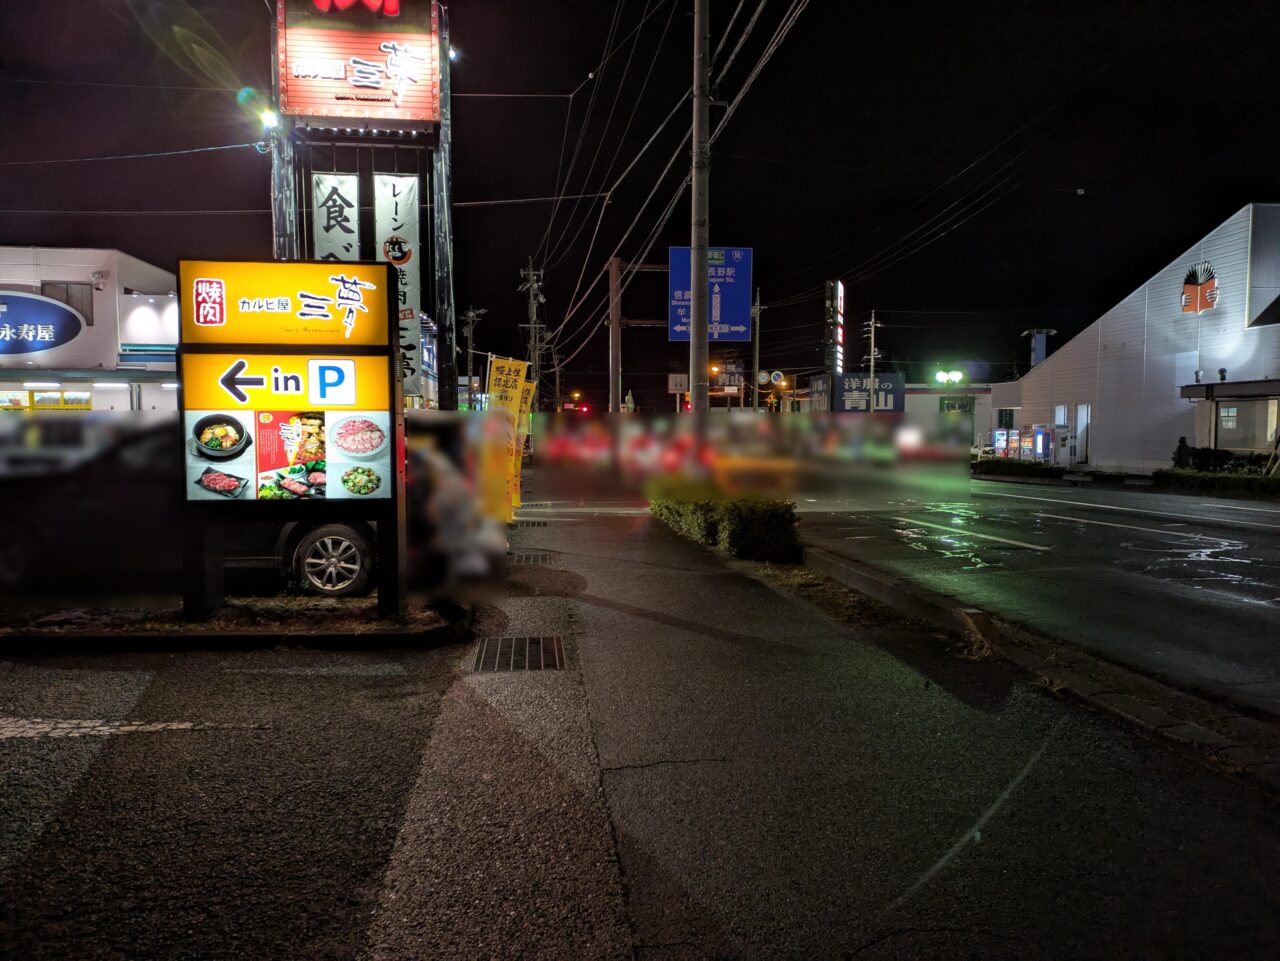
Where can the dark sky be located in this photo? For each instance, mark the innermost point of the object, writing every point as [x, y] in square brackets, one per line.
[931, 154]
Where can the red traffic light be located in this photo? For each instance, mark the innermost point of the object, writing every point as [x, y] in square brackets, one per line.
[584, 408]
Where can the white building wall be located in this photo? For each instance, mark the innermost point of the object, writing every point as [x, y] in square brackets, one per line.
[1131, 362]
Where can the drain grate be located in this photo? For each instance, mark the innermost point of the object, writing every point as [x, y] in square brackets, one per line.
[531, 523]
[520, 654]
[539, 558]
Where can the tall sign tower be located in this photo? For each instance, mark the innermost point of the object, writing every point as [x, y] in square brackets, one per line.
[362, 101]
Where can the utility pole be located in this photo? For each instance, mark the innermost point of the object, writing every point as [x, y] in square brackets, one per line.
[533, 287]
[871, 327]
[699, 384]
[615, 335]
[755, 354]
[555, 363]
[471, 316]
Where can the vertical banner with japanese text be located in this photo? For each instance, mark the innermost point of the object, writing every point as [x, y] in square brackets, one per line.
[396, 229]
[505, 379]
[527, 390]
[335, 216]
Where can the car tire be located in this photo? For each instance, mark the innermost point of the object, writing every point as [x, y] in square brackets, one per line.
[334, 560]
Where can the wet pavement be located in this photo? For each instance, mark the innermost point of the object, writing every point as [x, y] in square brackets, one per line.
[1186, 589]
[720, 771]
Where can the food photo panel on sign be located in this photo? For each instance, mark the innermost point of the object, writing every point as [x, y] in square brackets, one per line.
[218, 455]
[291, 455]
[359, 452]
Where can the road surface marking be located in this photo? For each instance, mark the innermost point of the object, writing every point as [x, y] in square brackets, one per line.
[11, 727]
[1237, 507]
[1147, 530]
[1112, 507]
[957, 531]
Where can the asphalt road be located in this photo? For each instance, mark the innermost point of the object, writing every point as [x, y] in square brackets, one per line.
[721, 771]
[1183, 588]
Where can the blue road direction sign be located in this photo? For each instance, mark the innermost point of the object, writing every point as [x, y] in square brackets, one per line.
[728, 293]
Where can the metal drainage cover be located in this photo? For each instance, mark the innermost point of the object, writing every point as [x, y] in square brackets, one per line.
[520, 654]
[539, 558]
[531, 523]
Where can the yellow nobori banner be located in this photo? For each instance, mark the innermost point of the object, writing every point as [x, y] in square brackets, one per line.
[284, 303]
[281, 381]
[505, 377]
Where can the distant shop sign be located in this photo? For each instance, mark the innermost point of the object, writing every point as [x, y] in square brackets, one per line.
[864, 393]
[30, 323]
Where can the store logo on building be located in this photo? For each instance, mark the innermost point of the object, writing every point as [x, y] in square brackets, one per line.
[31, 323]
[1199, 289]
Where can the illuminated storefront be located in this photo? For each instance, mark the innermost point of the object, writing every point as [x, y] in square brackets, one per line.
[84, 329]
[1194, 352]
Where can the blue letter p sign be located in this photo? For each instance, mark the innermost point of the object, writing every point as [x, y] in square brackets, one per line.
[331, 382]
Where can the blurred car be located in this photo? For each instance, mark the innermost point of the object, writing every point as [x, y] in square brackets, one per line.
[115, 519]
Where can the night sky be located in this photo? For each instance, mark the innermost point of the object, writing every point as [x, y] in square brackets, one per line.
[970, 170]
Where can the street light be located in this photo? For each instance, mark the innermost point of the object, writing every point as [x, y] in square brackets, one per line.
[270, 120]
[949, 376]
[576, 394]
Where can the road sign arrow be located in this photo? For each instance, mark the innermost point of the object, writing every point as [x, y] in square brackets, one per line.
[231, 381]
[680, 328]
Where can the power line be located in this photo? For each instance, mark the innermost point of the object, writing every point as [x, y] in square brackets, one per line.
[788, 22]
[586, 123]
[130, 156]
[260, 210]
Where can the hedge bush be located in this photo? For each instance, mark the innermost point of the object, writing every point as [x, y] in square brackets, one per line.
[1215, 460]
[762, 529]
[1004, 467]
[1216, 481]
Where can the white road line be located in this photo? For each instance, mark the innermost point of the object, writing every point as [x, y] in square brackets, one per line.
[1112, 507]
[1237, 507]
[1145, 530]
[964, 531]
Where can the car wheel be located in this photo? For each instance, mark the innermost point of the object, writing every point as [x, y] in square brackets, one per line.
[334, 560]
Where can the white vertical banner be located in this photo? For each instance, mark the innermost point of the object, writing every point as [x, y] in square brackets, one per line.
[335, 209]
[396, 228]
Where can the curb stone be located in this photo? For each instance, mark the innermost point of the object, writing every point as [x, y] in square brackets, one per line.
[942, 612]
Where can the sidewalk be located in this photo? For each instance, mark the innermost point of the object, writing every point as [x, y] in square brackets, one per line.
[723, 771]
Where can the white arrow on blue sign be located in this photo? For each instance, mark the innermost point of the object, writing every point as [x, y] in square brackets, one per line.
[728, 293]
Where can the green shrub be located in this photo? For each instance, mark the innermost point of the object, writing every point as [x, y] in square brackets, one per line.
[1004, 467]
[752, 528]
[763, 529]
[1216, 481]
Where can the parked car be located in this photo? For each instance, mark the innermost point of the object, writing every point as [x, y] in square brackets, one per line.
[115, 519]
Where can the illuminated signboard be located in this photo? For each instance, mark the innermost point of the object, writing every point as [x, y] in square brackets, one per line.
[290, 386]
[835, 326]
[30, 323]
[358, 60]
[284, 303]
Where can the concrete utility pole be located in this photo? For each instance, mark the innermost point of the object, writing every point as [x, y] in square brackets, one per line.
[871, 326]
[699, 384]
[615, 335]
[471, 316]
[755, 354]
[533, 287]
[555, 364]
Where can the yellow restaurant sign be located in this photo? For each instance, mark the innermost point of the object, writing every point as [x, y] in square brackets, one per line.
[271, 382]
[284, 303]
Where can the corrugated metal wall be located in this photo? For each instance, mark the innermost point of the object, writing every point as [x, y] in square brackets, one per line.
[1131, 362]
